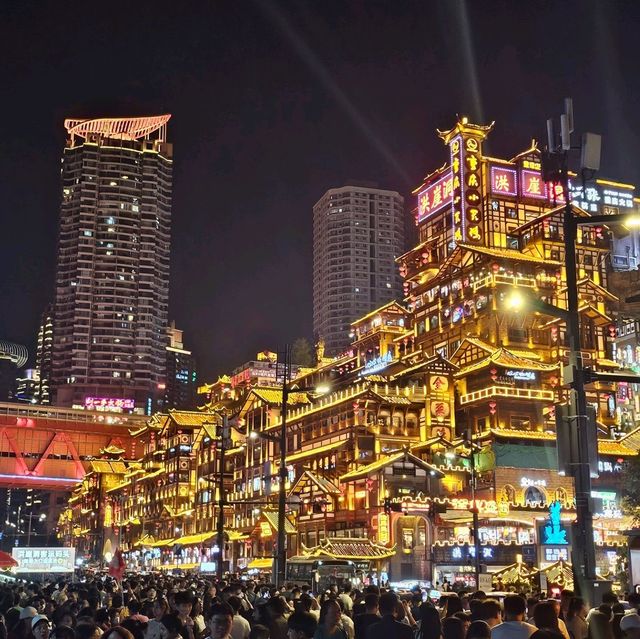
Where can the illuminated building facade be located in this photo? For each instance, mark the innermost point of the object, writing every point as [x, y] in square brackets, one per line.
[26, 386]
[111, 294]
[181, 385]
[44, 356]
[379, 468]
[12, 357]
[357, 234]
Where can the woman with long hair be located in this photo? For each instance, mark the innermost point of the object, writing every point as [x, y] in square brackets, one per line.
[576, 618]
[429, 624]
[329, 626]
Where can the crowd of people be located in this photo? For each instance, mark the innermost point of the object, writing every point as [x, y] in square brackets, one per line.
[183, 607]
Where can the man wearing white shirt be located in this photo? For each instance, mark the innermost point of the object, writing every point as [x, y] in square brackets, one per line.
[514, 626]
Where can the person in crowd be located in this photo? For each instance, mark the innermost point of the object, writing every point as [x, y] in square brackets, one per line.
[240, 628]
[479, 630]
[220, 621]
[452, 628]
[301, 625]
[566, 596]
[329, 626]
[370, 615]
[630, 625]
[491, 612]
[389, 626]
[277, 611]
[576, 618]
[117, 632]
[545, 616]
[40, 627]
[429, 623]
[514, 625]
[599, 626]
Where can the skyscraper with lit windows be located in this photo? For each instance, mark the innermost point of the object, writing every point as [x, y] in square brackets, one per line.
[111, 295]
[358, 231]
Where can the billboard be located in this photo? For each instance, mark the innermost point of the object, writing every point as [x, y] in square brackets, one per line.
[55, 560]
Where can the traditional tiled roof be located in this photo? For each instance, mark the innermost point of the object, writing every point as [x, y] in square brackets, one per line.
[324, 484]
[393, 399]
[632, 439]
[190, 418]
[272, 517]
[383, 462]
[503, 357]
[510, 254]
[393, 304]
[354, 548]
[274, 396]
[107, 466]
[605, 446]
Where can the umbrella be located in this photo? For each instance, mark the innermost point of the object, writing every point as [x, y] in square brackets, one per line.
[6, 560]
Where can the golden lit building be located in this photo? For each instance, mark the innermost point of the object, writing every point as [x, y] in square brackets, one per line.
[462, 376]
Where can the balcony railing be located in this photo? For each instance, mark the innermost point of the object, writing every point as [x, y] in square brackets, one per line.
[508, 392]
[491, 280]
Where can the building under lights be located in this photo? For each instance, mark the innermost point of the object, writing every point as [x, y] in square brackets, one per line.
[358, 232]
[111, 293]
[378, 468]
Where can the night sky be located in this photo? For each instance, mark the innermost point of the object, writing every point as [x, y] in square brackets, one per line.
[273, 103]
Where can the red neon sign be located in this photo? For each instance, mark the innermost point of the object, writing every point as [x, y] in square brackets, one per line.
[503, 181]
[532, 185]
[435, 196]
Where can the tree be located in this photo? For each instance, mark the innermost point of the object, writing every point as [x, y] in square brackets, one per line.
[302, 353]
[631, 483]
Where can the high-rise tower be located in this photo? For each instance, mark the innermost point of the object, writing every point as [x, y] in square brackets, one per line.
[112, 279]
[357, 234]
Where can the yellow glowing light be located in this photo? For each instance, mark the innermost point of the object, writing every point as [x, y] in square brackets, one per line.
[515, 301]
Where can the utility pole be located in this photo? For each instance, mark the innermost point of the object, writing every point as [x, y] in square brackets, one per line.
[474, 512]
[556, 167]
[281, 556]
[224, 433]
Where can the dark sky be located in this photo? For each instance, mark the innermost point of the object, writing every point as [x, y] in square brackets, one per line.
[273, 103]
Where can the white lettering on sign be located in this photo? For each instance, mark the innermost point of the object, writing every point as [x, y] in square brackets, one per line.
[525, 482]
[522, 376]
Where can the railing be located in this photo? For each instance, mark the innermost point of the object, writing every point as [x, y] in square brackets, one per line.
[502, 278]
[67, 414]
[509, 392]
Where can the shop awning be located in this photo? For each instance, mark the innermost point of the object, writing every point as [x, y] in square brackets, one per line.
[194, 540]
[262, 563]
[162, 542]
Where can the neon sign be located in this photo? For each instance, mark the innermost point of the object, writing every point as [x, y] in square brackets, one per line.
[435, 196]
[503, 181]
[532, 185]
[378, 363]
[525, 482]
[521, 376]
[108, 403]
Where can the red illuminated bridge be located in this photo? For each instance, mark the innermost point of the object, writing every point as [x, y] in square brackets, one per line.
[49, 447]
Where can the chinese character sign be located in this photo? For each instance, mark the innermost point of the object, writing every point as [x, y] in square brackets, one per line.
[435, 196]
[46, 560]
[456, 203]
[503, 181]
[532, 185]
[472, 200]
[110, 404]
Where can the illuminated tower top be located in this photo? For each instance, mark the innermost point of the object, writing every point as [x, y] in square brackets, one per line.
[119, 128]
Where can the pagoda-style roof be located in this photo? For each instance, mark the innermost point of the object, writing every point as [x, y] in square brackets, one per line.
[558, 210]
[587, 282]
[112, 449]
[353, 548]
[465, 127]
[377, 466]
[505, 358]
[509, 254]
[310, 478]
[271, 516]
[434, 364]
[605, 446]
[108, 466]
[393, 305]
[517, 573]
[588, 310]
[480, 349]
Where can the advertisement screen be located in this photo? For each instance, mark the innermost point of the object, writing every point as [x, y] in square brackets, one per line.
[55, 560]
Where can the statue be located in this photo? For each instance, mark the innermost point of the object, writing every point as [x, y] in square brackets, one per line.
[553, 531]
